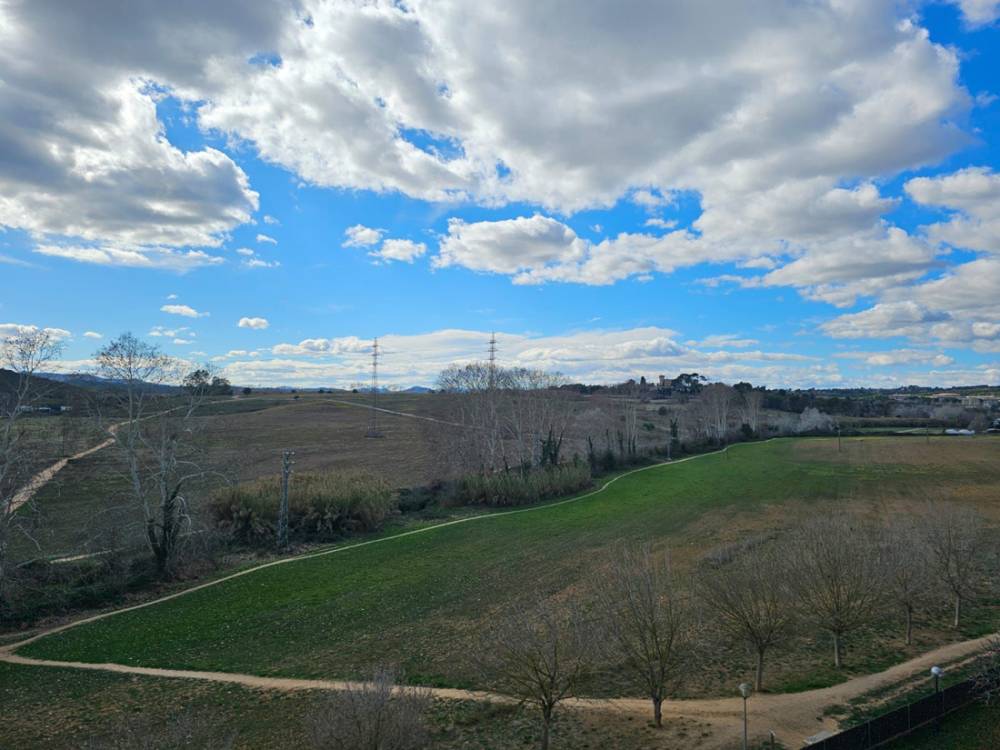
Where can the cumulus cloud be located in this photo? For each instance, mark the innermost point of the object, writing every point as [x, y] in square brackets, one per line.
[93, 335]
[90, 166]
[268, 219]
[361, 236]
[266, 239]
[979, 12]
[183, 310]
[974, 194]
[402, 250]
[258, 324]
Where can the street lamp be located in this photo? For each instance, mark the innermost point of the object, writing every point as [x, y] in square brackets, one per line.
[936, 673]
[745, 690]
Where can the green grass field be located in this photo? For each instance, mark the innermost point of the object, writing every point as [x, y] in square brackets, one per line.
[415, 600]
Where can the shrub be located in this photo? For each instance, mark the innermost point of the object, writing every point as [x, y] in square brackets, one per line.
[511, 488]
[374, 714]
[321, 506]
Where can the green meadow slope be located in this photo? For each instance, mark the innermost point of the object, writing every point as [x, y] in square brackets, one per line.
[414, 600]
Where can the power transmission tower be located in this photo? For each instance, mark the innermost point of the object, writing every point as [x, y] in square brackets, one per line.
[286, 475]
[493, 360]
[373, 431]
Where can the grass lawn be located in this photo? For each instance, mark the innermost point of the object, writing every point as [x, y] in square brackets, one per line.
[413, 601]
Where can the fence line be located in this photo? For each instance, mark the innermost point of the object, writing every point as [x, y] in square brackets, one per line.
[882, 730]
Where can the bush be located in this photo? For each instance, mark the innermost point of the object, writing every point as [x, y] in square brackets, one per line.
[374, 714]
[320, 507]
[510, 488]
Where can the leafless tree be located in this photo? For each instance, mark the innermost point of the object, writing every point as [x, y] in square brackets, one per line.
[538, 655]
[373, 715]
[954, 536]
[504, 413]
[648, 621]
[154, 440]
[716, 402]
[907, 565]
[750, 404]
[835, 568]
[22, 355]
[751, 596]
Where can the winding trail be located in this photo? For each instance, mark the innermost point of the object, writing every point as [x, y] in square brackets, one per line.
[793, 717]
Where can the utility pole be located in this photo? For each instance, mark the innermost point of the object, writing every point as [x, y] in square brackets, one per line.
[286, 475]
[373, 419]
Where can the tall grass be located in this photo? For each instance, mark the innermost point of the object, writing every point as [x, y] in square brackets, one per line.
[321, 506]
[508, 488]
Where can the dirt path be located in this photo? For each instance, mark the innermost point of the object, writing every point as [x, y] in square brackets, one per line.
[793, 717]
[46, 475]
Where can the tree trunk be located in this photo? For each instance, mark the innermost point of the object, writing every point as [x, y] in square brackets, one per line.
[758, 680]
[909, 625]
[658, 712]
[958, 609]
[836, 650]
[546, 721]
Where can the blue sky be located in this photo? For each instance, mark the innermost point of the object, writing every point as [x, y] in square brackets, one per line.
[804, 195]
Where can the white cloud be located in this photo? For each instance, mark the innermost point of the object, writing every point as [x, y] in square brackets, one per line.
[134, 257]
[661, 223]
[899, 357]
[258, 324]
[361, 236]
[245, 251]
[974, 193]
[650, 199]
[171, 296]
[164, 332]
[7, 330]
[263, 238]
[400, 250]
[183, 310]
[270, 220]
[724, 339]
[979, 12]
[93, 335]
[589, 356]
[259, 263]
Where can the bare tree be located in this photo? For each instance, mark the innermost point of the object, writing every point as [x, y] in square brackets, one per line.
[954, 536]
[373, 715]
[908, 575]
[834, 566]
[751, 596]
[716, 402]
[648, 621]
[22, 355]
[751, 403]
[539, 655]
[154, 440]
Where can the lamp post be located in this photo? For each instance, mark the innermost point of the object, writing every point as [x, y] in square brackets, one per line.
[745, 690]
[936, 673]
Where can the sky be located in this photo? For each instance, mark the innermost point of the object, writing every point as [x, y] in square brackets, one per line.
[797, 194]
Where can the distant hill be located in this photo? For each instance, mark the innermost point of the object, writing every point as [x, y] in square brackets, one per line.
[47, 390]
[93, 382]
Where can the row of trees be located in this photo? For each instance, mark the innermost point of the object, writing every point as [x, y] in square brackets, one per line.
[831, 574]
[502, 418]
